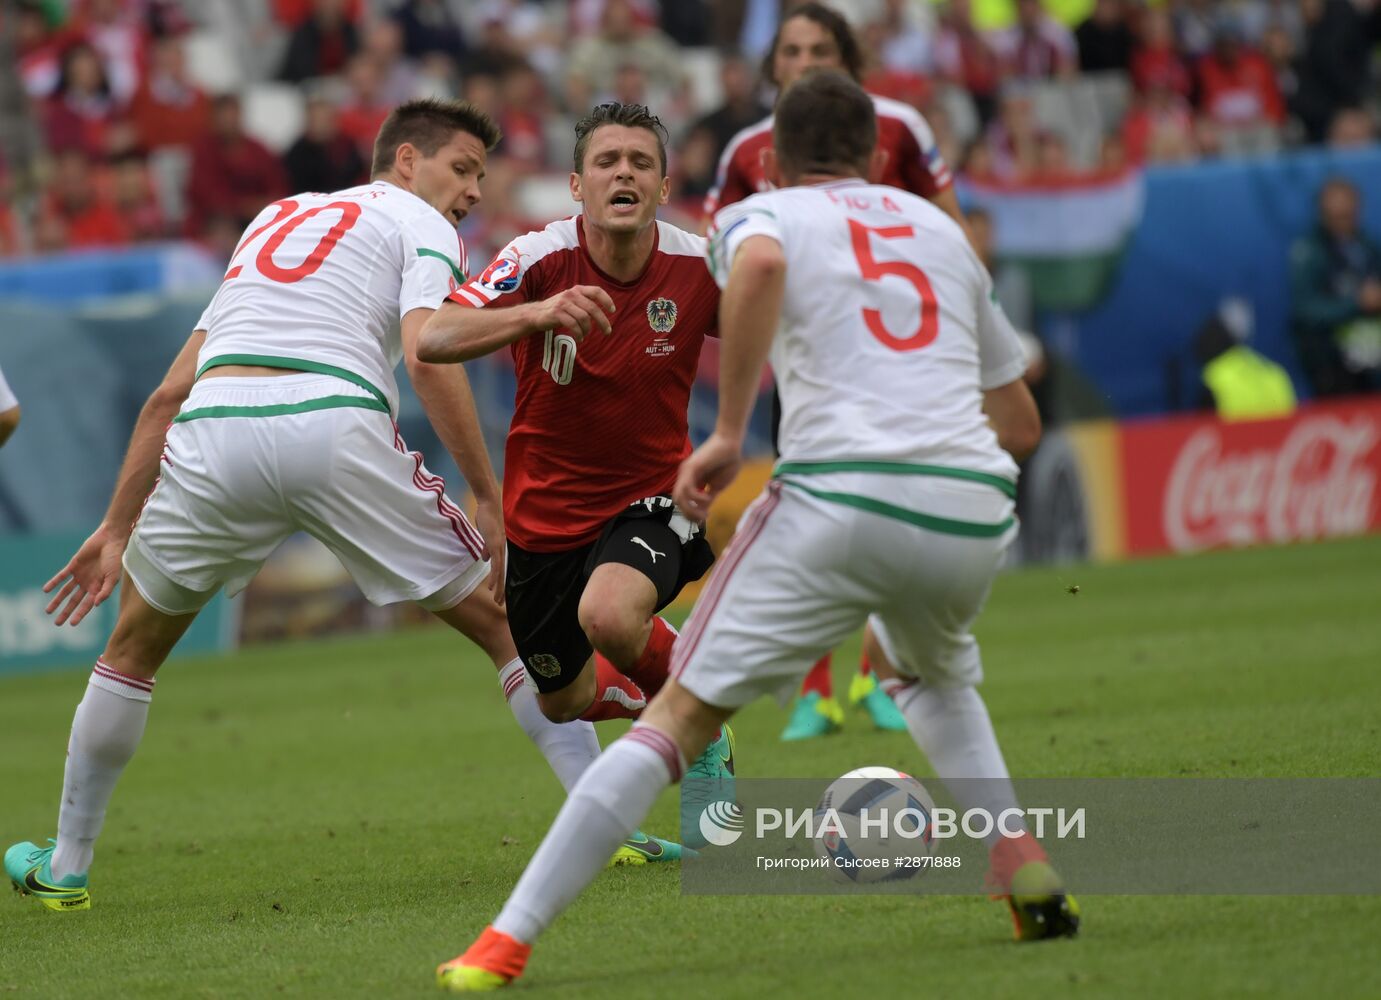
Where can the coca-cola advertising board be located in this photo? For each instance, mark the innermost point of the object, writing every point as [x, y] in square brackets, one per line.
[1196, 483]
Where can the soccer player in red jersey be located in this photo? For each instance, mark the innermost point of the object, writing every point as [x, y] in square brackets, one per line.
[605, 314]
[816, 37]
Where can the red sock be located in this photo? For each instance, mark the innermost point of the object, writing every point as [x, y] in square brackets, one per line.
[819, 680]
[653, 666]
[865, 665]
[1009, 854]
[616, 697]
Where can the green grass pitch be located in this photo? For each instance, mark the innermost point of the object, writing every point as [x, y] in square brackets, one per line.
[334, 819]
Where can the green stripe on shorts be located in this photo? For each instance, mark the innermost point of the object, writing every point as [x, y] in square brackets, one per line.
[295, 364]
[930, 522]
[281, 409]
[897, 469]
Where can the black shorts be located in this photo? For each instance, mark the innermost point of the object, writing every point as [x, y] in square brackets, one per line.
[543, 589]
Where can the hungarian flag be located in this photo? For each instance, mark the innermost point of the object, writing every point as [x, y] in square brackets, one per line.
[1070, 236]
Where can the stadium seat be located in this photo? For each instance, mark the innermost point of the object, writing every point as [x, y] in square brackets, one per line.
[1249, 140]
[1083, 111]
[959, 108]
[543, 197]
[701, 66]
[213, 63]
[274, 113]
[168, 169]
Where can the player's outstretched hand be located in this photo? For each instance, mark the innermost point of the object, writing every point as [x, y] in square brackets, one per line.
[88, 578]
[489, 521]
[577, 311]
[705, 474]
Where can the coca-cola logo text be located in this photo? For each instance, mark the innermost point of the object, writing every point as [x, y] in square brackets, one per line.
[1315, 483]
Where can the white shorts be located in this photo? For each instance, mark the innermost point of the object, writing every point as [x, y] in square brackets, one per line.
[233, 487]
[803, 572]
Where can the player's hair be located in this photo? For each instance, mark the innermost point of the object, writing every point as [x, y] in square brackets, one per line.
[429, 124]
[627, 115]
[850, 52]
[825, 124]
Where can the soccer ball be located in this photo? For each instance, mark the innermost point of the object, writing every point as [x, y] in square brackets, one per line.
[874, 825]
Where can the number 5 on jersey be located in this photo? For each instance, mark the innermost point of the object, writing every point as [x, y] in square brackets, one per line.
[286, 223]
[873, 269]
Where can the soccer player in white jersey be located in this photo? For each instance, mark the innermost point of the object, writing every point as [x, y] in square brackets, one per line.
[903, 407]
[815, 36]
[279, 417]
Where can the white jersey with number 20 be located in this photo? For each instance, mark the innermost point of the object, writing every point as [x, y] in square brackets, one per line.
[325, 278]
[889, 330]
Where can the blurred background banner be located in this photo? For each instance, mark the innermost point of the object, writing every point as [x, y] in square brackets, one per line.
[1208, 233]
[95, 275]
[1104, 490]
[28, 638]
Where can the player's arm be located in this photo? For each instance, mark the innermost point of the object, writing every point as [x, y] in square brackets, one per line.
[748, 313]
[450, 406]
[1002, 360]
[9, 420]
[1011, 409]
[461, 332]
[91, 574]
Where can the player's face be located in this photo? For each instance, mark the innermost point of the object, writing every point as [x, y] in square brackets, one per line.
[449, 181]
[803, 45]
[621, 182]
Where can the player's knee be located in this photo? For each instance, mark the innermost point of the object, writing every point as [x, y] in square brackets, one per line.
[612, 629]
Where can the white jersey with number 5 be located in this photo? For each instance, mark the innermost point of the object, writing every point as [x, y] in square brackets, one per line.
[320, 281]
[889, 329]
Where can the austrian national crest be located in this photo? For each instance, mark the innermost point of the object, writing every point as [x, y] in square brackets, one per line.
[661, 315]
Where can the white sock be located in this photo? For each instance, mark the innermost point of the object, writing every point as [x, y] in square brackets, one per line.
[953, 730]
[105, 732]
[609, 802]
[569, 747]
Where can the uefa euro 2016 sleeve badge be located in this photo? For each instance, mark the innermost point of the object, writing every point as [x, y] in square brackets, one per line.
[661, 316]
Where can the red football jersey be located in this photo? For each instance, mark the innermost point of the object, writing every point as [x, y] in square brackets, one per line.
[600, 423]
[914, 162]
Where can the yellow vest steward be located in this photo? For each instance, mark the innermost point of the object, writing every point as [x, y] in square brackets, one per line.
[1247, 386]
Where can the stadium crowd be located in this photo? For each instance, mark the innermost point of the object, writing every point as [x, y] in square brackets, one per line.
[119, 126]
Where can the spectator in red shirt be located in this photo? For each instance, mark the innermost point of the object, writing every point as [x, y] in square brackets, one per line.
[232, 175]
[965, 57]
[1156, 58]
[322, 44]
[366, 106]
[80, 112]
[1038, 47]
[132, 196]
[292, 13]
[169, 109]
[1237, 85]
[73, 205]
[523, 116]
[1160, 126]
